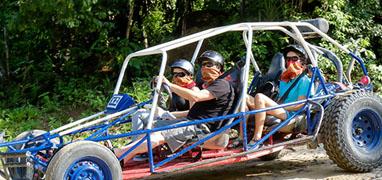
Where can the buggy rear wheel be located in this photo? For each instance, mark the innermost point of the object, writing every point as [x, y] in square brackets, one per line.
[352, 131]
[23, 172]
[84, 160]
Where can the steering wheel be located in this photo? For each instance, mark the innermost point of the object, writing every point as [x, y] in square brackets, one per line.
[161, 99]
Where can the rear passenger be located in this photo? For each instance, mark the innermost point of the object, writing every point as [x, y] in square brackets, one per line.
[294, 86]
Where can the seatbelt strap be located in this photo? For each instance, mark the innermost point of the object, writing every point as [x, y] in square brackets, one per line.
[285, 95]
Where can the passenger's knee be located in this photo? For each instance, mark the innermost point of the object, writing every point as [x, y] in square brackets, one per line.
[259, 98]
[250, 102]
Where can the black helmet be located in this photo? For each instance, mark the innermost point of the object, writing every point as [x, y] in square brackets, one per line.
[212, 56]
[183, 64]
[295, 48]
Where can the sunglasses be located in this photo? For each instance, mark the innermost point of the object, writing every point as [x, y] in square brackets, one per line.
[208, 64]
[292, 58]
[178, 74]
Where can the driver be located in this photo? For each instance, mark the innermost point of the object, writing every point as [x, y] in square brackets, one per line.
[182, 75]
[182, 72]
[215, 99]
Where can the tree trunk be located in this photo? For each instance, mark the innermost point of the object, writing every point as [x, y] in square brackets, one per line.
[145, 39]
[183, 8]
[242, 8]
[6, 49]
[145, 7]
[130, 19]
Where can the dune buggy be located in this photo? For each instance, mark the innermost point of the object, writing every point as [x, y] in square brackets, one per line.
[344, 116]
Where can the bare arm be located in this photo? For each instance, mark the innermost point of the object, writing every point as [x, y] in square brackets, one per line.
[195, 89]
[195, 96]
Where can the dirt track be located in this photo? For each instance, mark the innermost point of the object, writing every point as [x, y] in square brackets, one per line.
[297, 163]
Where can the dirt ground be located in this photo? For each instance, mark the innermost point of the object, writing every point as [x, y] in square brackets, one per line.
[296, 163]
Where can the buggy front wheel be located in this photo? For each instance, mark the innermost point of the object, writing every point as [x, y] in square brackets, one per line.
[352, 132]
[84, 160]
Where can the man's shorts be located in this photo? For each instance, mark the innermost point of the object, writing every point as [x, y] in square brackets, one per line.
[177, 137]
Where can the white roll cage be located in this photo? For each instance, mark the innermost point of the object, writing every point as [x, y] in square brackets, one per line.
[289, 28]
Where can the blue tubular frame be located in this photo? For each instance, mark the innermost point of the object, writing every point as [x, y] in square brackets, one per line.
[274, 130]
[360, 61]
[308, 121]
[47, 145]
[101, 136]
[107, 126]
[240, 114]
[204, 139]
[135, 146]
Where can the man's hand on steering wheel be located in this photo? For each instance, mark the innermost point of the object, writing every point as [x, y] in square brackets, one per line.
[165, 81]
[166, 88]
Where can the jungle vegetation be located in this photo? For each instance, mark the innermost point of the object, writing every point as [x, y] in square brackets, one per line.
[59, 59]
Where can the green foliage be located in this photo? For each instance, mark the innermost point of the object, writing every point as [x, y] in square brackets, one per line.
[19, 120]
[60, 58]
[73, 103]
[350, 20]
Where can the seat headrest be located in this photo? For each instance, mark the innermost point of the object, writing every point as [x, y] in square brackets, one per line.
[277, 65]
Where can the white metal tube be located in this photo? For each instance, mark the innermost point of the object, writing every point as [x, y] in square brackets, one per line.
[236, 27]
[122, 73]
[323, 35]
[304, 44]
[252, 58]
[158, 48]
[246, 70]
[106, 118]
[196, 52]
[157, 89]
[76, 122]
[204, 36]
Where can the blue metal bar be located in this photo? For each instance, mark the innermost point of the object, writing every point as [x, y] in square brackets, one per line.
[103, 125]
[12, 148]
[307, 119]
[322, 81]
[360, 61]
[132, 148]
[86, 129]
[150, 150]
[244, 130]
[102, 130]
[314, 69]
[195, 122]
[197, 143]
[28, 149]
[13, 143]
[309, 123]
[274, 130]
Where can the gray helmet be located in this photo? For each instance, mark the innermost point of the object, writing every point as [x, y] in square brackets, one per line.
[183, 64]
[212, 56]
[295, 48]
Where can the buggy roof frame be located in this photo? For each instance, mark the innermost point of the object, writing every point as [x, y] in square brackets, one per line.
[247, 29]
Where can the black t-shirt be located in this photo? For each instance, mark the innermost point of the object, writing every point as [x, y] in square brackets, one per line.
[220, 106]
[178, 103]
